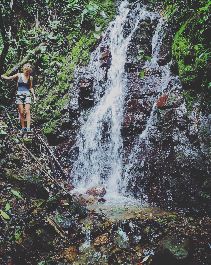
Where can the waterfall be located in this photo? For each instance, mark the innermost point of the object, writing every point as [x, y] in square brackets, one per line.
[157, 39]
[99, 140]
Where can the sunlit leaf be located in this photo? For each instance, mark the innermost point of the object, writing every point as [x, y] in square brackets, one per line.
[16, 194]
[17, 235]
[92, 8]
[145, 259]
[4, 215]
[7, 207]
[41, 263]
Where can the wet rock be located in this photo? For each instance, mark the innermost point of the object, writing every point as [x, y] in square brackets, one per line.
[141, 41]
[96, 191]
[173, 251]
[101, 240]
[161, 102]
[30, 185]
[174, 67]
[164, 60]
[102, 200]
[209, 124]
[131, 67]
[77, 209]
[80, 198]
[165, 49]
[85, 95]
[36, 190]
[86, 199]
[70, 254]
[207, 185]
[67, 222]
[121, 239]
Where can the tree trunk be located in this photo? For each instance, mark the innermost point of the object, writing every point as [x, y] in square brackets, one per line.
[5, 39]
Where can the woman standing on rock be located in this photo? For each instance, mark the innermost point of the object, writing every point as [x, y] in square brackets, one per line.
[23, 97]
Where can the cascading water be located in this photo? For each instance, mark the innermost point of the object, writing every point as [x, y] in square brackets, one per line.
[99, 141]
[157, 40]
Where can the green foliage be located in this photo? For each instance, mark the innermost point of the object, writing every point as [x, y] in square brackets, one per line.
[191, 47]
[191, 26]
[205, 195]
[58, 217]
[170, 10]
[67, 43]
[53, 90]
[178, 250]
[57, 63]
[4, 213]
[42, 263]
[1, 44]
[18, 235]
[143, 56]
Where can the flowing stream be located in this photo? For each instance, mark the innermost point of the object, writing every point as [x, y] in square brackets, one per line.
[99, 141]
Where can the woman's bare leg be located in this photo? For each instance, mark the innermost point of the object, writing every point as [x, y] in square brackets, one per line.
[21, 114]
[28, 115]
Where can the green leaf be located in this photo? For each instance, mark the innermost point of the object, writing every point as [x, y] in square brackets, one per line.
[4, 215]
[17, 235]
[41, 263]
[7, 207]
[142, 74]
[2, 132]
[92, 7]
[17, 194]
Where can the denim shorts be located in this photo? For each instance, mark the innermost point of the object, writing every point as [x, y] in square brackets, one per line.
[23, 98]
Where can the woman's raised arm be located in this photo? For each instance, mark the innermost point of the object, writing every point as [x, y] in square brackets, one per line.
[9, 77]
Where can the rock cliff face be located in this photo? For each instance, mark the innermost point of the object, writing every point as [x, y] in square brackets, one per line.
[169, 142]
[165, 144]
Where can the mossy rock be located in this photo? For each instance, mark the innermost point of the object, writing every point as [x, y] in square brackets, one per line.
[178, 250]
[172, 251]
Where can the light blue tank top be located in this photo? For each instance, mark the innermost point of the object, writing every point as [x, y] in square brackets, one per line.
[22, 86]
